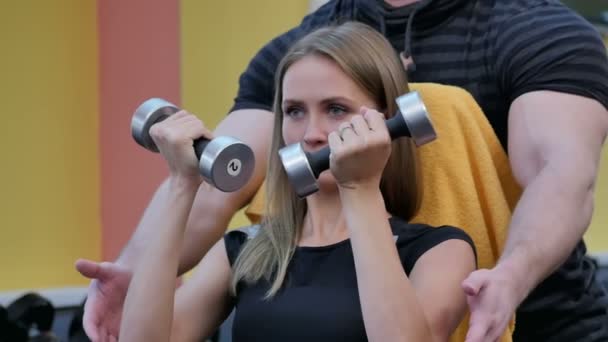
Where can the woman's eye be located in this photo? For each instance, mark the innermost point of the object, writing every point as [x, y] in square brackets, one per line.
[336, 110]
[293, 112]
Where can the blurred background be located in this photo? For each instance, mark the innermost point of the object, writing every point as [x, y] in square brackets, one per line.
[73, 182]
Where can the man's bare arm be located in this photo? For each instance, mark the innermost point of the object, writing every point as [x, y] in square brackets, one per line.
[212, 209]
[555, 143]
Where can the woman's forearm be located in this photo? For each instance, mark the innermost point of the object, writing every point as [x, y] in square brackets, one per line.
[391, 310]
[148, 310]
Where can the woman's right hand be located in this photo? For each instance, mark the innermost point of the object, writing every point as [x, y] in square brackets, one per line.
[174, 138]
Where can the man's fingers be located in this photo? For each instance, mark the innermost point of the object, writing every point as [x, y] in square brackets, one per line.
[474, 282]
[94, 331]
[96, 270]
[477, 332]
[103, 332]
[91, 330]
[479, 321]
[88, 268]
[90, 323]
[496, 331]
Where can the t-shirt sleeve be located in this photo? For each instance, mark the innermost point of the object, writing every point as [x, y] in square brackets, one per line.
[549, 47]
[256, 83]
[415, 240]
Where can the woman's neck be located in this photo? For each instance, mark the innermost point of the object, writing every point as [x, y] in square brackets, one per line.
[324, 223]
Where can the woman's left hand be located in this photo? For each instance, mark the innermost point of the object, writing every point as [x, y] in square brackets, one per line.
[359, 150]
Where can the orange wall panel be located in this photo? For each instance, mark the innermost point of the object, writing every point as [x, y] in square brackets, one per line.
[139, 58]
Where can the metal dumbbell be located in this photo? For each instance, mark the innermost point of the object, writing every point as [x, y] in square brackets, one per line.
[303, 168]
[224, 162]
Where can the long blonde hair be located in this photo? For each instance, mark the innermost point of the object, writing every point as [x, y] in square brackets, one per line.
[370, 61]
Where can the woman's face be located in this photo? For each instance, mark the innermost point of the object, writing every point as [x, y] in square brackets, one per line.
[317, 97]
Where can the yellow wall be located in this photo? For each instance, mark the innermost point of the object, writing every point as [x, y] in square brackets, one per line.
[597, 236]
[49, 207]
[218, 40]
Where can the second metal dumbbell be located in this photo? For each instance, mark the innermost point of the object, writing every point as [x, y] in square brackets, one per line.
[303, 168]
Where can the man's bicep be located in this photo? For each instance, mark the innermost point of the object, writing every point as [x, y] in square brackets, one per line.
[249, 125]
[552, 127]
[213, 209]
[253, 127]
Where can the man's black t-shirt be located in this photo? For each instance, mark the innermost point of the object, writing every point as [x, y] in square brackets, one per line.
[497, 50]
[320, 299]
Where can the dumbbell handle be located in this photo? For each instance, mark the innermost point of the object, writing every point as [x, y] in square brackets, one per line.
[199, 146]
[319, 160]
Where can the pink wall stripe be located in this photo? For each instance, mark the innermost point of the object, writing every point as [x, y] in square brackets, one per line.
[139, 58]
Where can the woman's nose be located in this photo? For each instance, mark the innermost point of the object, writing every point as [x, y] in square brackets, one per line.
[316, 132]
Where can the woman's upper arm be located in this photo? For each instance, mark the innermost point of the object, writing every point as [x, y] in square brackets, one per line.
[203, 301]
[437, 277]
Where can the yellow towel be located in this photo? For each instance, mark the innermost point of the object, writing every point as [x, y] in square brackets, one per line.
[467, 179]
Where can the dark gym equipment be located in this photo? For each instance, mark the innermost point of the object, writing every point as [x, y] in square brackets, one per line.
[224, 162]
[32, 309]
[11, 331]
[26, 312]
[303, 168]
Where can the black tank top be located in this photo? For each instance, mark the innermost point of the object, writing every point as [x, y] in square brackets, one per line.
[320, 300]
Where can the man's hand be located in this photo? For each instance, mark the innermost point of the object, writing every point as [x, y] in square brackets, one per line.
[492, 296]
[105, 299]
[555, 141]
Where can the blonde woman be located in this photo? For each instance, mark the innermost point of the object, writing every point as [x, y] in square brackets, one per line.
[342, 264]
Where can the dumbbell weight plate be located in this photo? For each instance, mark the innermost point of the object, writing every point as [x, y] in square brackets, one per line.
[147, 114]
[226, 163]
[299, 171]
[416, 116]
